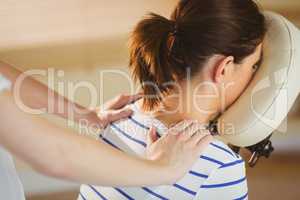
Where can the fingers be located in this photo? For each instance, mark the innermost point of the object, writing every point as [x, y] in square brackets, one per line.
[120, 114]
[115, 109]
[115, 115]
[121, 101]
[194, 135]
[181, 126]
[151, 137]
[203, 143]
[190, 130]
[198, 136]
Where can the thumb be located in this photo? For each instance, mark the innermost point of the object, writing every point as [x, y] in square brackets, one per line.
[151, 136]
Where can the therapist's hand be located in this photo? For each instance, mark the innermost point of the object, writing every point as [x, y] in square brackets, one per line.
[116, 109]
[179, 148]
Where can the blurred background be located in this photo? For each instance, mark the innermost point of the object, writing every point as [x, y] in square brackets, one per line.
[83, 38]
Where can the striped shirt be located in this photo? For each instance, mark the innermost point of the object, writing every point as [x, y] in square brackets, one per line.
[218, 174]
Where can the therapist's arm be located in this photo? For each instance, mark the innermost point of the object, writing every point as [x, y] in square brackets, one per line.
[61, 153]
[35, 95]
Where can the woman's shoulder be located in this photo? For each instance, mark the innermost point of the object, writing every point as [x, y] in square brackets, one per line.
[226, 175]
[218, 155]
[221, 153]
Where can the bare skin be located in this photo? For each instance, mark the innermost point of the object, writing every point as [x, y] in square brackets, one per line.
[61, 153]
[216, 87]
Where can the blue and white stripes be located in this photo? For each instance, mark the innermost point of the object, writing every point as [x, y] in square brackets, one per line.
[218, 174]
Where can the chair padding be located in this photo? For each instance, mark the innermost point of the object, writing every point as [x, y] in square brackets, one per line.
[272, 92]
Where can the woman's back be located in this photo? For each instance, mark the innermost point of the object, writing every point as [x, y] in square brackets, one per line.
[218, 174]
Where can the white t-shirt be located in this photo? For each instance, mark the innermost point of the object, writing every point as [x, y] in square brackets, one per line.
[10, 185]
[218, 174]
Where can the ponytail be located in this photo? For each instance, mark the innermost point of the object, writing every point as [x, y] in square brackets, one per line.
[150, 63]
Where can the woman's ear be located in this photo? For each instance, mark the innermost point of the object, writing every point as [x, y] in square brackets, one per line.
[223, 69]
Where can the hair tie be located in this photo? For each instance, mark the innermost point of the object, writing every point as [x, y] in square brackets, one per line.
[172, 38]
[174, 32]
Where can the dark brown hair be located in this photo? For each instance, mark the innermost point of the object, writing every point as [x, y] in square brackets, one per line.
[162, 50]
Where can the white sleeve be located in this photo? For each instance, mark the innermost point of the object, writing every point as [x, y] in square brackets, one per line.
[227, 183]
[5, 84]
[10, 184]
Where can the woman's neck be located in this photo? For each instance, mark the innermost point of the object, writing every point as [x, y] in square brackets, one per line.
[170, 113]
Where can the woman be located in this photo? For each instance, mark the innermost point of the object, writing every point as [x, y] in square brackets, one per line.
[61, 153]
[192, 66]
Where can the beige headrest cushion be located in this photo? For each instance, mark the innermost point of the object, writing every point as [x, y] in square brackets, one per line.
[272, 92]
